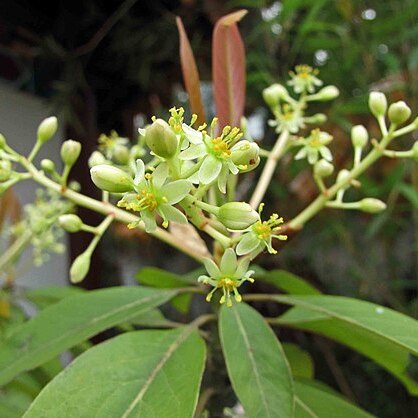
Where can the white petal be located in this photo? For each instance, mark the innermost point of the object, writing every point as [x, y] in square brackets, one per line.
[160, 174]
[209, 170]
[194, 136]
[193, 152]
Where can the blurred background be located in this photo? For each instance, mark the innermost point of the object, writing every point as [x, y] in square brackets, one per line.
[103, 65]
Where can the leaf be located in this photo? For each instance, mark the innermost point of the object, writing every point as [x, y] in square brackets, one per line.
[228, 69]
[46, 296]
[314, 402]
[387, 337]
[253, 354]
[155, 277]
[152, 276]
[71, 321]
[190, 74]
[289, 282]
[137, 374]
[300, 361]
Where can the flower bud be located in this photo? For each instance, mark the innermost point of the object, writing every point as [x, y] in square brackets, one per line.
[377, 103]
[70, 151]
[47, 129]
[414, 150]
[274, 93]
[317, 119]
[70, 222]
[5, 170]
[161, 139]
[237, 215]
[327, 93]
[359, 136]
[343, 175]
[2, 141]
[244, 154]
[111, 179]
[48, 166]
[323, 168]
[80, 267]
[96, 158]
[372, 205]
[399, 112]
[121, 154]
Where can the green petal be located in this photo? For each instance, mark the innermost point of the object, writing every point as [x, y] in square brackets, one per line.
[325, 153]
[249, 242]
[209, 170]
[229, 262]
[223, 179]
[175, 191]
[193, 152]
[301, 154]
[212, 268]
[172, 214]
[139, 172]
[232, 167]
[312, 156]
[149, 221]
[160, 174]
[242, 268]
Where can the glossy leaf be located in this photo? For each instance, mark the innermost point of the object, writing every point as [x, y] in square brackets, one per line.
[71, 321]
[387, 337]
[289, 283]
[138, 374]
[190, 74]
[155, 277]
[257, 366]
[314, 402]
[228, 69]
[300, 361]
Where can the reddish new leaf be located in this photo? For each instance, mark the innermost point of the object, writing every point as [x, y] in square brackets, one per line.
[190, 74]
[228, 69]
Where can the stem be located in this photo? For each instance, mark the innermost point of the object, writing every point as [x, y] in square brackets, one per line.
[34, 151]
[218, 236]
[271, 163]
[15, 250]
[100, 230]
[299, 221]
[107, 209]
[65, 175]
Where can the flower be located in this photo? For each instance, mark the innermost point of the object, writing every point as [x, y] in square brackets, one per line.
[288, 117]
[112, 146]
[304, 80]
[229, 276]
[214, 153]
[259, 236]
[153, 194]
[314, 146]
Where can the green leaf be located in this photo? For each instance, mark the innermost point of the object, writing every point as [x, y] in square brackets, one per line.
[155, 277]
[257, 366]
[387, 337]
[71, 321]
[289, 283]
[138, 374]
[314, 402]
[46, 296]
[300, 361]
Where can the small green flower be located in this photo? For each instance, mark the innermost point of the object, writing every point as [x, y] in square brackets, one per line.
[154, 195]
[304, 80]
[259, 236]
[113, 146]
[229, 276]
[288, 117]
[314, 146]
[213, 152]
